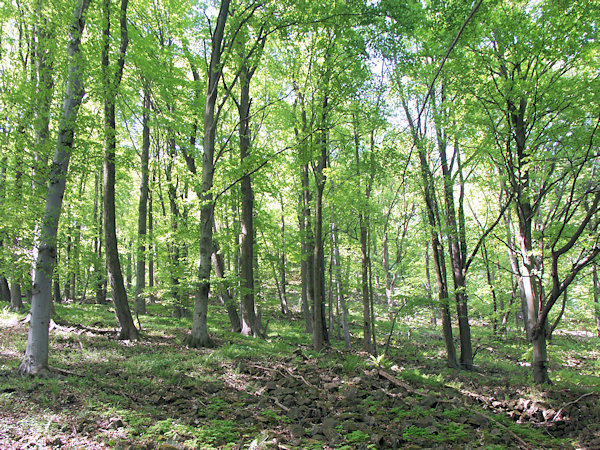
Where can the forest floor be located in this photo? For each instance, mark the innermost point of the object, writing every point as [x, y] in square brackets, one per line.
[279, 393]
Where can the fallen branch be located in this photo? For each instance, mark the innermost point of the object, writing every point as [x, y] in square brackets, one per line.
[566, 405]
[395, 381]
[522, 443]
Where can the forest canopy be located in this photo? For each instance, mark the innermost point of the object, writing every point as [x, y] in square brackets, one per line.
[434, 159]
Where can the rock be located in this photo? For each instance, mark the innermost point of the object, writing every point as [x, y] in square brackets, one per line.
[369, 420]
[297, 431]
[350, 394]
[116, 423]
[211, 388]
[479, 420]
[316, 430]
[332, 435]
[289, 400]
[349, 426]
[427, 421]
[429, 402]
[330, 422]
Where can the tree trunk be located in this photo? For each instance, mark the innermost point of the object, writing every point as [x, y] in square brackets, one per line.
[199, 336]
[432, 211]
[16, 300]
[224, 294]
[457, 252]
[596, 289]
[283, 265]
[338, 285]
[4, 290]
[173, 243]
[367, 339]
[140, 269]
[151, 246]
[319, 323]
[36, 353]
[559, 317]
[307, 244]
[115, 275]
[249, 324]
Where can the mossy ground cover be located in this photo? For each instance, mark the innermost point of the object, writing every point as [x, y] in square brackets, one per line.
[279, 393]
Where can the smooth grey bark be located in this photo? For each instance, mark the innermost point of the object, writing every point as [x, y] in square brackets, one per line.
[111, 82]
[36, 353]
[199, 335]
[140, 268]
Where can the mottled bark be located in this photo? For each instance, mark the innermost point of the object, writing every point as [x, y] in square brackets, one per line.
[35, 361]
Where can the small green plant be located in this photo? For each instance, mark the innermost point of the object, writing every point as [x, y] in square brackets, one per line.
[414, 432]
[357, 437]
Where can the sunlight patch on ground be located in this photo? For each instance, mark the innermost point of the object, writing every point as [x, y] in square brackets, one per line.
[8, 321]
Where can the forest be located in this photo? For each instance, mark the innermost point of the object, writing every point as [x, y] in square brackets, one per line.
[298, 224]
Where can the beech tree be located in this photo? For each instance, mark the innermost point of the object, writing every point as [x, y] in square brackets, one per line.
[36, 354]
[546, 165]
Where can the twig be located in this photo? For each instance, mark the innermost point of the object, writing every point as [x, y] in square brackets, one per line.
[566, 405]
[300, 377]
[522, 443]
[396, 381]
[285, 408]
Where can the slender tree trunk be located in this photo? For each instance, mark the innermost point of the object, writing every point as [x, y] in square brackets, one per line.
[199, 336]
[439, 263]
[224, 294]
[35, 361]
[488, 273]
[338, 285]
[283, 264]
[559, 317]
[56, 297]
[4, 290]
[308, 240]
[115, 275]
[457, 252]
[249, 323]
[140, 269]
[428, 288]
[319, 323]
[596, 289]
[173, 244]
[16, 301]
[151, 246]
